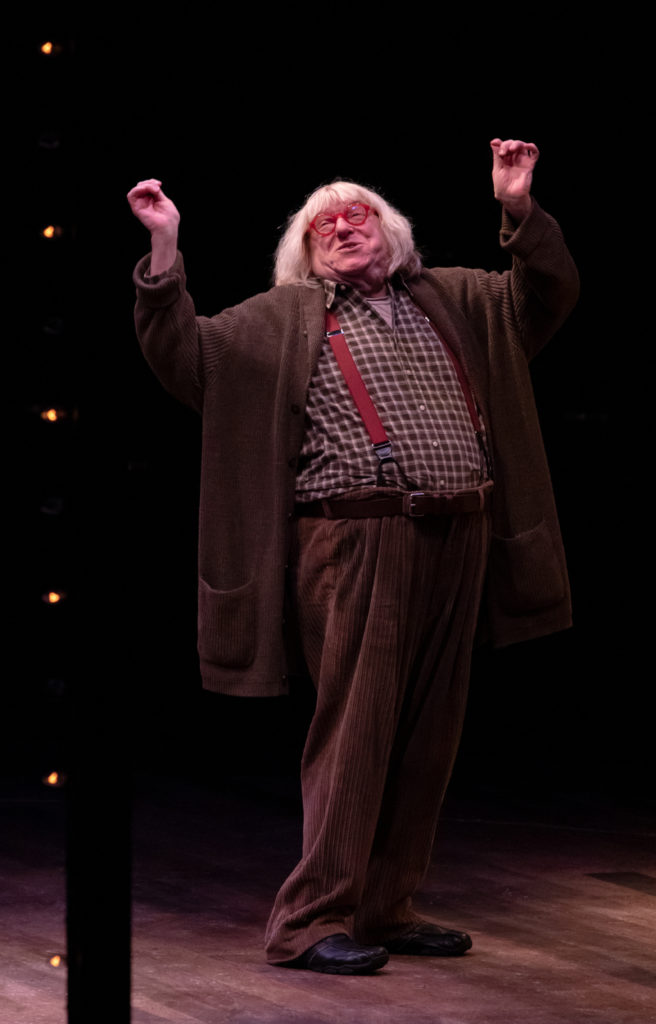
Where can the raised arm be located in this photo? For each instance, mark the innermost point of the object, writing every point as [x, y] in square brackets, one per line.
[165, 318]
[159, 215]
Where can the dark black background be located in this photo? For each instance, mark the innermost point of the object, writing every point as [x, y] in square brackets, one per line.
[241, 117]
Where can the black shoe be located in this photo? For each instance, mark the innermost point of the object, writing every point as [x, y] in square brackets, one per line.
[339, 954]
[430, 940]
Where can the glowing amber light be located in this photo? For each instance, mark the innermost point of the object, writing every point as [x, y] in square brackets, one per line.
[52, 231]
[53, 414]
[56, 780]
[56, 960]
[54, 596]
[47, 48]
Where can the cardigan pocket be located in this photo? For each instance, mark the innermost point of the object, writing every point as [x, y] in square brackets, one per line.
[227, 621]
[527, 572]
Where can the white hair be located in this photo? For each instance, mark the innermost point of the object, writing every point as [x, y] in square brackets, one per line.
[293, 264]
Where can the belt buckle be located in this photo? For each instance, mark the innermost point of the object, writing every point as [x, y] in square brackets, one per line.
[411, 501]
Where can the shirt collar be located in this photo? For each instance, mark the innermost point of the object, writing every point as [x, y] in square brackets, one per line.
[330, 289]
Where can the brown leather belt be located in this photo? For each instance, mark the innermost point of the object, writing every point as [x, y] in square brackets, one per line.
[414, 504]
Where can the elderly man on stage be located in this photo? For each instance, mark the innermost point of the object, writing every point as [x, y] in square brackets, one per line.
[373, 484]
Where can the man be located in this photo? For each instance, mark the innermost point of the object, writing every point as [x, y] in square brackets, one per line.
[389, 503]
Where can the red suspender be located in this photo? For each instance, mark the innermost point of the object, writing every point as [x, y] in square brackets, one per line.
[464, 383]
[335, 334]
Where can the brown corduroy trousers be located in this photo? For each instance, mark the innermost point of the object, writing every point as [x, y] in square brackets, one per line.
[387, 610]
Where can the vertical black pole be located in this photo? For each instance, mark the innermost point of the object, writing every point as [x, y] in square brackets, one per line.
[99, 805]
[98, 887]
[99, 786]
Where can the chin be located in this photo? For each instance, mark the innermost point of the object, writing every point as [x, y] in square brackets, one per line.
[352, 267]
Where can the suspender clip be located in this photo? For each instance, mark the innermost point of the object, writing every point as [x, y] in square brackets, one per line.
[383, 450]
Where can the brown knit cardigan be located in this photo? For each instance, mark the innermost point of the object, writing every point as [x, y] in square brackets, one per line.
[247, 371]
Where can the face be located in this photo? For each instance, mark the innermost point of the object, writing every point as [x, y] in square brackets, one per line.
[352, 254]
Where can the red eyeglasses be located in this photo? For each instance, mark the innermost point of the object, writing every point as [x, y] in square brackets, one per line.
[354, 213]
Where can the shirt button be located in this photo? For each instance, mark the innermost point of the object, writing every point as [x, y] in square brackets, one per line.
[423, 408]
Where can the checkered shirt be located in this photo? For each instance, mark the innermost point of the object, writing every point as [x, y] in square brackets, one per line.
[416, 392]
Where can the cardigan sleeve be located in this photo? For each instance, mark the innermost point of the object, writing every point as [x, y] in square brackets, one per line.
[182, 348]
[544, 281]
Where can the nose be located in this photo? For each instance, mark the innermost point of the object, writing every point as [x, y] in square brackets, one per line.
[342, 226]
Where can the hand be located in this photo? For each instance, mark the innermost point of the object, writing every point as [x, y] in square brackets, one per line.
[153, 208]
[160, 216]
[512, 174]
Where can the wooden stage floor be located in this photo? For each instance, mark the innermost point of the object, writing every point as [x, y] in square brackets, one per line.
[559, 895]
